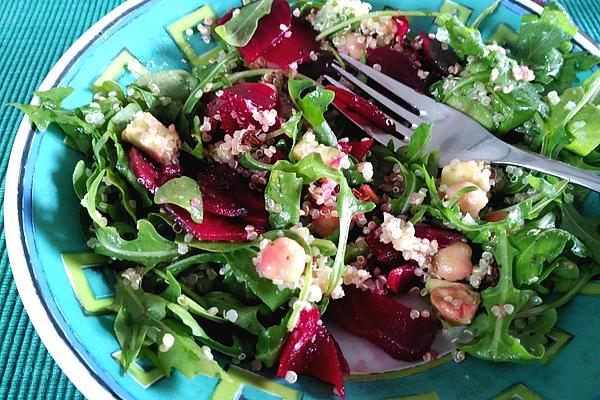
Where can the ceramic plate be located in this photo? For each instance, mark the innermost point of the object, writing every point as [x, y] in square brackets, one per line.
[64, 293]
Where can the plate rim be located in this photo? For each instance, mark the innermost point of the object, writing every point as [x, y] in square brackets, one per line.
[71, 363]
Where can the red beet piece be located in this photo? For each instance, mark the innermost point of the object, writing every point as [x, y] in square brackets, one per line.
[402, 65]
[213, 227]
[361, 110]
[226, 193]
[384, 253]
[403, 27]
[384, 322]
[234, 108]
[145, 172]
[401, 279]
[444, 237]
[168, 172]
[293, 49]
[438, 57]
[310, 349]
[357, 148]
[269, 32]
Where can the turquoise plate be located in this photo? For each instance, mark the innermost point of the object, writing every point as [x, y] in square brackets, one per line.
[65, 294]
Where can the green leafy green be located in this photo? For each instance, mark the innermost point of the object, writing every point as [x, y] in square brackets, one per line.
[78, 131]
[241, 27]
[185, 193]
[464, 40]
[543, 40]
[493, 340]
[148, 248]
[313, 105]
[240, 263]
[283, 199]
[587, 229]
[146, 316]
[247, 316]
[270, 341]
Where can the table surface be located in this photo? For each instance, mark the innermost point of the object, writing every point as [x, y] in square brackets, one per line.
[34, 34]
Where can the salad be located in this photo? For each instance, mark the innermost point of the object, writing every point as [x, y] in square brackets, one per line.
[237, 207]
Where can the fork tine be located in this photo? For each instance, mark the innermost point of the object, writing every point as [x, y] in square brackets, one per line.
[416, 99]
[404, 113]
[401, 129]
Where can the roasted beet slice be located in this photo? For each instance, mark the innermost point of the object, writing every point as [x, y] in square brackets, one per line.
[311, 350]
[269, 32]
[444, 237]
[168, 172]
[213, 227]
[235, 107]
[401, 65]
[385, 322]
[294, 49]
[226, 193]
[361, 110]
[357, 148]
[145, 172]
[384, 253]
[437, 56]
[401, 279]
[403, 27]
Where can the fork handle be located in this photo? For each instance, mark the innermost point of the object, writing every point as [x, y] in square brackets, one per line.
[526, 159]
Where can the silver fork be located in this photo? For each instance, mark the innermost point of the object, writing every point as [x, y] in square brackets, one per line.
[455, 134]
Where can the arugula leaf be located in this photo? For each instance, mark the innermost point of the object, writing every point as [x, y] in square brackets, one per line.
[494, 341]
[347, 206]
[206, 76]
[534, 334]
[573, 121]
[487, 91]
[78, 131]
[480, 231]
[291, 127]
[313, 105]
[215, 246]
[247, 161]
[241, 27]
[130, 335]
[186, 355]
[573, 64]
[198, 259]
[535, 249]
[270, 341]
[418, 143]
[240, 263]
[465, 41]
[587, 229]
[282, 197]
[185, 193]
[543, 40]
[146, 314]
[172, 84]
[148, 248]
[247, 316]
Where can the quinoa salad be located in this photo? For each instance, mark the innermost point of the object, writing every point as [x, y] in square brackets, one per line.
[238, 209]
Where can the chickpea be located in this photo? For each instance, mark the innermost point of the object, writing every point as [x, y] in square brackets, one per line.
[455, 302]
[470, 203]
[453, 263]
[282, 260]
